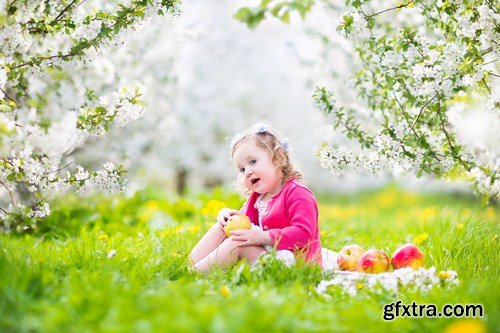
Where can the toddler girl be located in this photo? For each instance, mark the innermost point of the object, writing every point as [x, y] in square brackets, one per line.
[284, 213]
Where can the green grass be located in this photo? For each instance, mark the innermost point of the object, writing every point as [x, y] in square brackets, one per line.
[60, 279]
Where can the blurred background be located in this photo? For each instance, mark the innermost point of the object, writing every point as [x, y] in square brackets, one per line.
[206, 76]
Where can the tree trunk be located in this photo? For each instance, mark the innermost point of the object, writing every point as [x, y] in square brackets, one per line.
[181, 179]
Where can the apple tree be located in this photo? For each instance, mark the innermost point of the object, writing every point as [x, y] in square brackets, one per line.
[42, 42]
[427, 75]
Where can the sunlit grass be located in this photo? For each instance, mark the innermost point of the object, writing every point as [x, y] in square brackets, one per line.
[119, 264]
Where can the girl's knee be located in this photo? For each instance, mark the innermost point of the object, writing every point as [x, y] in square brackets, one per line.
[251, 252]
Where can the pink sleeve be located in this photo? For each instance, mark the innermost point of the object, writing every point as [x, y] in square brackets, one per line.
[302, 211]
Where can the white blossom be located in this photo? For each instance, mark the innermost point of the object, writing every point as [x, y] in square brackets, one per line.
[409, 279]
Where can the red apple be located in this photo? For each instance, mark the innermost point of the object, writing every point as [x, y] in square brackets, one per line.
[348, 257]
[408, 255]
[373, 261]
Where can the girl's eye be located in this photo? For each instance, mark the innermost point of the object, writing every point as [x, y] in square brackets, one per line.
[252, 162]
[242, 170]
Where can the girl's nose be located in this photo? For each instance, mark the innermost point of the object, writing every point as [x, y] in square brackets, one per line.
[248, 171]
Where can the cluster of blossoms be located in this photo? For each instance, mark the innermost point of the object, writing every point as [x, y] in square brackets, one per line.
[417, 59]
[387, 157]
[43, 120]
[408, 279]
[119, 108]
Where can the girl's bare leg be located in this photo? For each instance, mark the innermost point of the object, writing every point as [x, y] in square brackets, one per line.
[228, 253]
[209, 242]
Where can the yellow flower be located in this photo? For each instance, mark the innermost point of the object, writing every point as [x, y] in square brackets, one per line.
[420, 238]
[428, 212]
[444, 275]
[103, 236]
[152, 204]
[466, 326]
[213, 207]
[165, 233]
[191, 228]
[466, 212]
[340, 212]
[387, 198]
[224, 290]
[490, 213]
[194, 229]
[359, 285]
[459, 226]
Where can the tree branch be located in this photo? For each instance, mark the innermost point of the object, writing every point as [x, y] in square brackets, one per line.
[421, 110]
[389, 9]
[492, 74]
[62, 168]
[64, 10]
[489, 62]
[434, 154]
[10, 192]
[448, 138]
[73, 53]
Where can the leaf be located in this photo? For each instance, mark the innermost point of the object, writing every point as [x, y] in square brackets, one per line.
[251, 16]
[286, 17]
[5, 108]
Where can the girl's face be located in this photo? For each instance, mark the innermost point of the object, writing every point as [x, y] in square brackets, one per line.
[256, 167]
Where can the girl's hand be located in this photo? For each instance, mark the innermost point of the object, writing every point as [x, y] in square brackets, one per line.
[255, 236]
[224, 215]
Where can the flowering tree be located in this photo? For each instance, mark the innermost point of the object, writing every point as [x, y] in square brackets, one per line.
[40, 43]
[238, 81]
[422, 66]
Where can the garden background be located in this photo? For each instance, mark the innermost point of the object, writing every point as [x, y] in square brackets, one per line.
[116, 119]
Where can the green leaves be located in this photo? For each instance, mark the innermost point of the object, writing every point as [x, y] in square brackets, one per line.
[253, 16]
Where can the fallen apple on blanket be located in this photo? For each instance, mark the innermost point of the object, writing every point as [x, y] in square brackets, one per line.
[373, 261]
[349, 256]
[237, 222]
[408, 255]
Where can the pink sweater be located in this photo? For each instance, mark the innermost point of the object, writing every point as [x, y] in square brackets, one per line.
[292, 220]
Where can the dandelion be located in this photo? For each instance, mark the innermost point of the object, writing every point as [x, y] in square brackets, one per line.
[213, 207]
[444, 275]
[428, 212]
[224, 291]
[194, 229]
[420, 238]
[459, 226]
[387, 198]
[152, 205]
[466, 326]
[103, 236]
[165, 233]
[490, 213]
